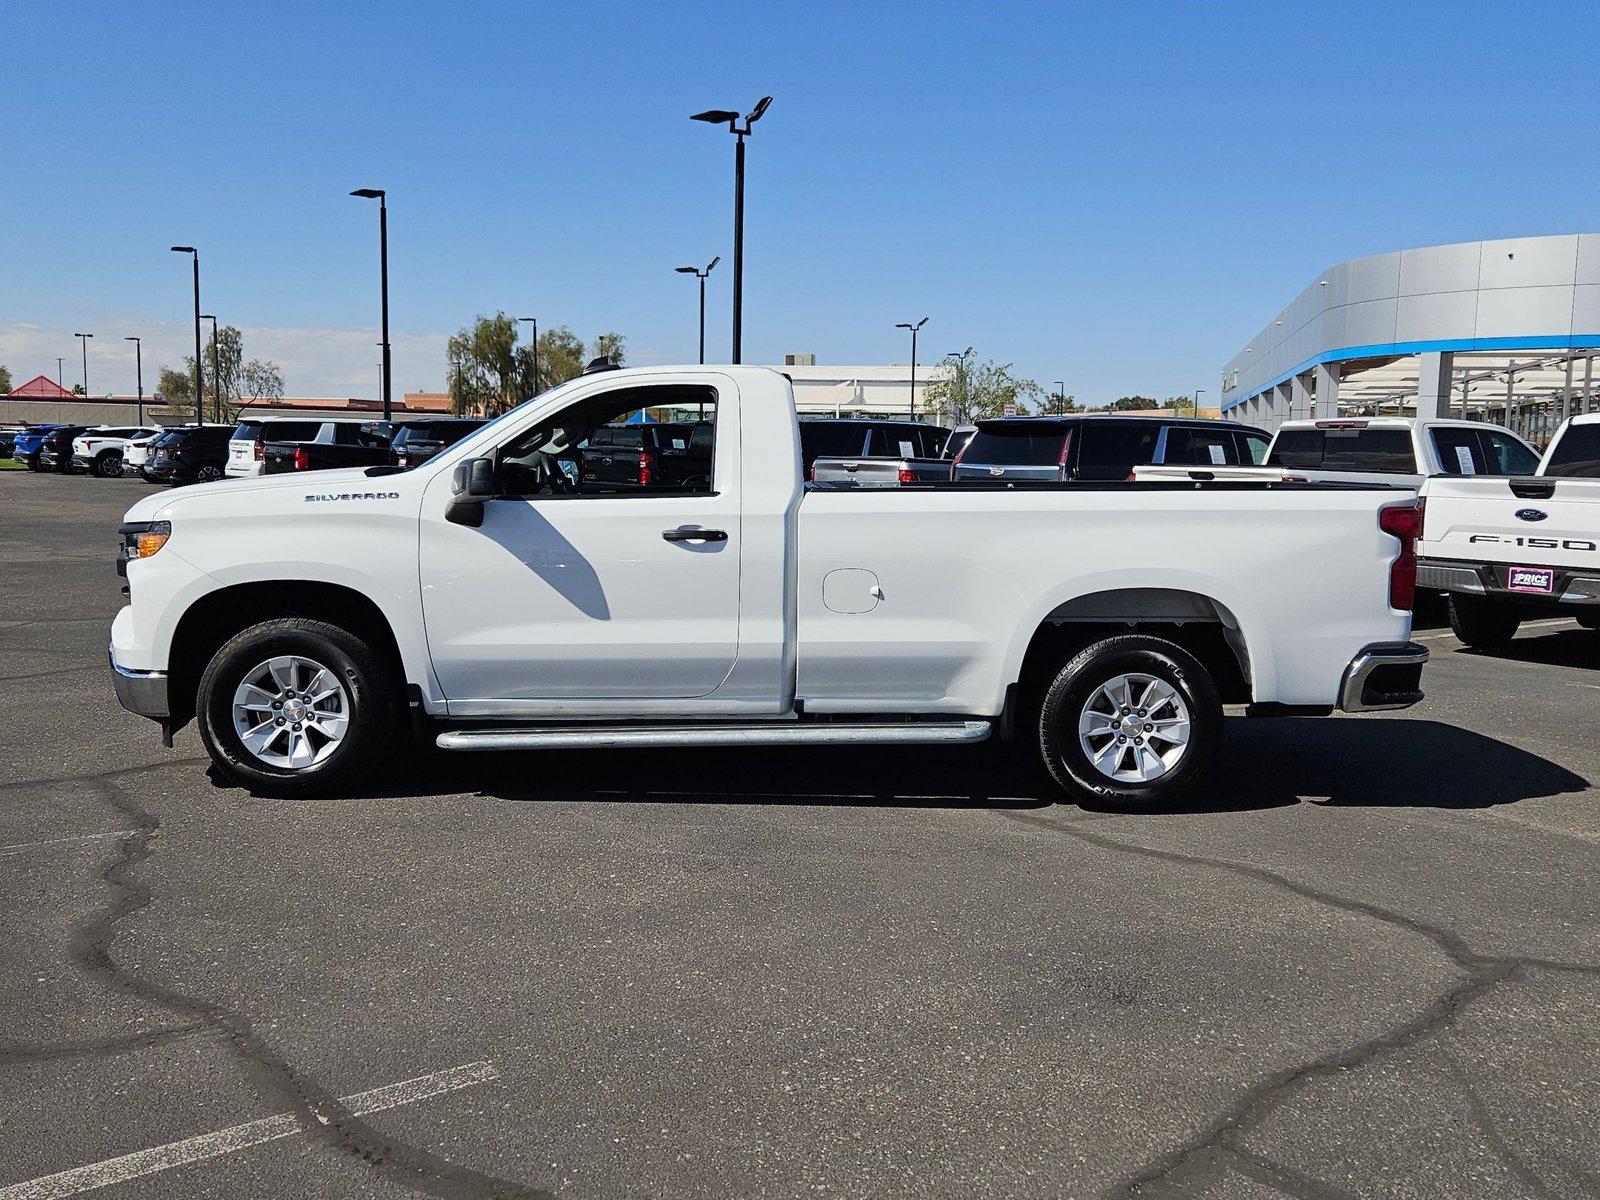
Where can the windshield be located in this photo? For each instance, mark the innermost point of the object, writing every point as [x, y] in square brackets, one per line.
[1576, 453]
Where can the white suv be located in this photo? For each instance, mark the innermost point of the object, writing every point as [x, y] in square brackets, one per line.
[100, 451]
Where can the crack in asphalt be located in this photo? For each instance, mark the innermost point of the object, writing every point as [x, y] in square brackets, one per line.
[1219, 1144]
[321, 1115]
[1514, 1161]
[127, 1043]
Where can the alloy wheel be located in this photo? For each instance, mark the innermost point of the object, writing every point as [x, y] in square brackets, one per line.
[1134, 728]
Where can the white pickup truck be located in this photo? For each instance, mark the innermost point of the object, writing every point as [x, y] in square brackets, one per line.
[1401, 451]
[512, 600]
[1504, 549]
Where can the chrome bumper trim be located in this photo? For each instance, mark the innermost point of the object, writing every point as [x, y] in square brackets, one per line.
[1355, 694]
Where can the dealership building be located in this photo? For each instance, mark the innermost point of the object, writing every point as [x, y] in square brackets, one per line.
[1504, 331]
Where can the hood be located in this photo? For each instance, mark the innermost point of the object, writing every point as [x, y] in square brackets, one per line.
[163, 505]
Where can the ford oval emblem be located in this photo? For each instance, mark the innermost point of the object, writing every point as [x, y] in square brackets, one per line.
[1531, 514]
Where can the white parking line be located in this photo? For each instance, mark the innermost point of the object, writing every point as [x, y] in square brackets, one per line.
[24, 847]
[1433, 637]
[240, 1137]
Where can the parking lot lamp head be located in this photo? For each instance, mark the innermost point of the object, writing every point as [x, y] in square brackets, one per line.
[701, 276]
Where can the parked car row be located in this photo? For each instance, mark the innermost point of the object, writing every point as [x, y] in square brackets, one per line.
[204, 453]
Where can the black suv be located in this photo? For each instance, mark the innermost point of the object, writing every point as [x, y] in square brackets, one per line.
[862, 437]
[416, 442]
[192, 454]
[55, 451]
[1094, 447]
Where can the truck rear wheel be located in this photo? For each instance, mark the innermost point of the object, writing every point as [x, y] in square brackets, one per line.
[296, 707]
[1130, 722]
[1482, 621]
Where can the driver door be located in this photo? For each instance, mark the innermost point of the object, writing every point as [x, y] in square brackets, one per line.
[586, 590]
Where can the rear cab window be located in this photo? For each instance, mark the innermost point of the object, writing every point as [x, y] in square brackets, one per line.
[1465, 451]
[1345, 448]
[829, 439]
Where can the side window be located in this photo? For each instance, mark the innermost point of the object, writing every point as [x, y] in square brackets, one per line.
[1253, 447]
[1507, 456]
[1110, 450]
[1460, 451]
[1201, 447]
[560, 457]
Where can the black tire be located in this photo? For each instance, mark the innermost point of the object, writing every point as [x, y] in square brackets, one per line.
[108, 465]
[370, 683]
[1482, 620]
[209, 472]
[1588, 618]
[1076, 684]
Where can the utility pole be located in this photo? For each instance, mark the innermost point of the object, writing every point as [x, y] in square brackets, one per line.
[914, 330]
[199, 372]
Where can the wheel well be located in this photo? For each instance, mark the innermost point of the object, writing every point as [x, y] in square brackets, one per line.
[217, 616]
[1202, 626]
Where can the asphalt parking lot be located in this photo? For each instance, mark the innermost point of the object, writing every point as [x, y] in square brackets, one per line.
[1367, 963]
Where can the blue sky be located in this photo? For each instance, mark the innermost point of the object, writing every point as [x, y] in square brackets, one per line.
[1113, 194]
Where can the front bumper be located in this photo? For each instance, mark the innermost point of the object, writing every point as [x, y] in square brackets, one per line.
[1489, 579]
[82, 461]
[1383, 677]
[141, 692]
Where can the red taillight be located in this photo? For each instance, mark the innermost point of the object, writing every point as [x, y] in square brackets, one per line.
[812, 474]
[1403, 521]
[646, 461]
[302, 460]
[260, 452]
[907, 475]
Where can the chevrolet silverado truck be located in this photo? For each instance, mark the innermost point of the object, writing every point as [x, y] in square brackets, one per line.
[503, 600]
[1507, 549]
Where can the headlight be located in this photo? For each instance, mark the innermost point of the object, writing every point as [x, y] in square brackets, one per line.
[141, 539]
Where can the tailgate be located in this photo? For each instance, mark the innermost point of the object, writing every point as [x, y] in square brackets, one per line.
[1554, 522]
[277, 456]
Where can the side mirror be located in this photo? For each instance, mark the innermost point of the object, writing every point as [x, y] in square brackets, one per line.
[471, 483]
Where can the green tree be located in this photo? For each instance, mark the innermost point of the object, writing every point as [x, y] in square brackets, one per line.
[77, 389]
[1182, 406]
[1133, 403]
[5, 380]
[489, 372]
[176, 390]
[1059, 404]
[968, 390]
[230, 381]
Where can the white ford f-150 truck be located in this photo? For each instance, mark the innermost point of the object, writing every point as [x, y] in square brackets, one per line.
[1505, 549]
[1402, 451]
[510, 597]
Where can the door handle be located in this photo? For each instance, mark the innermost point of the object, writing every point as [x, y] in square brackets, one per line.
[694, 535]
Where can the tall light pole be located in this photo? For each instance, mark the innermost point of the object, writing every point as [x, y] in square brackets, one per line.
[199, 375]
[216, 368]
[83, 340]
[719, 116]
[59, 360]
[701, 276]
[1198, 392]
[138, 366]
[534, 321]
[914, 329]
[1061, 395]
[381, 197]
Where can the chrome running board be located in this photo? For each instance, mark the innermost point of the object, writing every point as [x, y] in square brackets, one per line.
[831, 734]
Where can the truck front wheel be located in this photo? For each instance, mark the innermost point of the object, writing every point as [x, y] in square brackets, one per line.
[1130, 722]
[295, 707]
[1481, 621]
